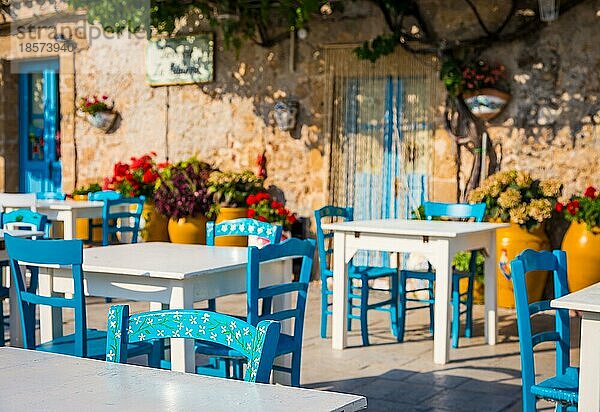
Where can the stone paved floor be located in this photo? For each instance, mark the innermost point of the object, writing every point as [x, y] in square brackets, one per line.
[402, 376]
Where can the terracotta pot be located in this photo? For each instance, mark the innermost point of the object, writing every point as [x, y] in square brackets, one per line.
[583, 259]
[486, 103]
[230, 213]
[154, 226]
[190, 230]
[510, 242]
[80, 198]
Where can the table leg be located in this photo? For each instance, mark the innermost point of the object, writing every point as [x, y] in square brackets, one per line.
[70, 226]
[443, 288]
[340, 292]
[589, 355]
[50, 318]
[16, 333]
[183, 358]
[490, 293]
[283, 302]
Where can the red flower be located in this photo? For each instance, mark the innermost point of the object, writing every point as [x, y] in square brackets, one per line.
[120, 169]
[262, 196]
[573, 207]
[559, 207]
[291, 219]
[251, 200]
[251, 213]
[163, 165]
[149, 176]
[276, 205]
[590, 192]
[105, 97]
[262, 218]
[282, 212]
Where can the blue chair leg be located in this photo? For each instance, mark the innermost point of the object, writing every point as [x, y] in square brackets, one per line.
[295, 378]
[469, 314]
[324, 308]
[364, 305]
[455, 312]
[350, 305]
[1, 321]
[394, 305]
[402, 307]
[90, 231]
[212, 305]
[431, 307]
[155, 357]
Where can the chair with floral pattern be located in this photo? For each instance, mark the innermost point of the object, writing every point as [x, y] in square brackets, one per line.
[256, 344]
[242, 227]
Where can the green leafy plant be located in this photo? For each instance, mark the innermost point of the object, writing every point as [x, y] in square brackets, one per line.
[583, 209]
[514, 196]
[94, 104]
[84, 190]
[231, 189]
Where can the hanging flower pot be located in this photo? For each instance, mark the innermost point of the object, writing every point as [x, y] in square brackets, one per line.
[98, 111]
[486, 103]
[102, 120]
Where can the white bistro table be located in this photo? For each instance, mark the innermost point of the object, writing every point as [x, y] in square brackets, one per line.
[163, 274]
[588, 302]
[68, 211]
[438, 241]
[59, 383]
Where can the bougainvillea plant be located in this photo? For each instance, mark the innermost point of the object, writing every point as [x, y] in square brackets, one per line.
[94, 104]
[136, 178]
[514, 196]
[182, 190]
[263, 207]
[583, 209]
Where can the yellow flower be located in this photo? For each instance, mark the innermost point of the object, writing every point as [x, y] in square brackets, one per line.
[506, 178]
[509, 198]
[551, 187]
[476, 195]
[523, 179]
[540, 209]
[518, 215]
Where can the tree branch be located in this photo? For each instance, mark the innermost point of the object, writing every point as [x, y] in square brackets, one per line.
[478, 17]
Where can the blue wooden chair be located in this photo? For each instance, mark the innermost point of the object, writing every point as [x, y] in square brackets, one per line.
[125, 219]
[100, 197]
[83, 342]
[562, 388]
[362, 273]
[462, 303]
[240, 227]
[256, 343]
[50, 196]
[263, 297]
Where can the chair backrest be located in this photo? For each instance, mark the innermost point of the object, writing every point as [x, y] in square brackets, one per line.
[293, 247]
[127, 212]
[41, 253]
[257, 344]
[324, 246]
[455, 210]
[24, 219]
[50, 196]
[104, 195]
[242, 227]
[526, 262]
[17, 201]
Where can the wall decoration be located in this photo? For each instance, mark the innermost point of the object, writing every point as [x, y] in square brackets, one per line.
[180, 60]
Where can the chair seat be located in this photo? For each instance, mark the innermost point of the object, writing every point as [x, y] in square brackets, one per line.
[285, 345]
[559, 388]
[96, 345]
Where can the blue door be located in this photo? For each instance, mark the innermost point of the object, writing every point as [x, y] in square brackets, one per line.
[39, 127]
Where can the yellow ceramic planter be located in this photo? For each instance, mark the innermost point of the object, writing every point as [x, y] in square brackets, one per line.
[154, 226]
[510, 242]
[189, 230]
[583, 257]
[81, 226]
[230, 213]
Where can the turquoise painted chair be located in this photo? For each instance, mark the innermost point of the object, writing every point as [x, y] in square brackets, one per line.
[362, 273]
[257, 344]
[121, 216]
[462, 303]
[50, 196]
[100, 197]
[83, 342]
[562, 388]
[260, 302]
[240, 227]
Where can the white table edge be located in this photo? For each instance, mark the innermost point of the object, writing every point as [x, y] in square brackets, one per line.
[578, 300]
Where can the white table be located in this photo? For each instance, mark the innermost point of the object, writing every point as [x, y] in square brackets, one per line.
[164, 274]
[36, 381]
[438, 241]
[588, 302]
[68, 211]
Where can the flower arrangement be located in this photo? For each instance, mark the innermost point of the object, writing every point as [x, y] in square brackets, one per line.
[136, 178]
[182, 191]
[514, 196]
[460, 77]
[92, 104]
[263, 207]
[84, 190]
[583, 208]
[231, 189]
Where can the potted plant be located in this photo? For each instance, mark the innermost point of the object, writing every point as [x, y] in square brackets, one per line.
[182, 196]
[485, 89]
[515, 197]
[230, 191]
[582, 240]
[263, 207]
[97, 111]
[138, 178]
[81, 226]
[81, 193]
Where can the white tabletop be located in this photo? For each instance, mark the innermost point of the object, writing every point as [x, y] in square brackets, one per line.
[586, 300]
[163, 260]
[67, 204]
[433, 228]
[58, 383]
[20, 233]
